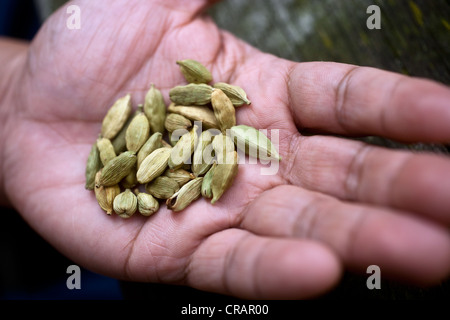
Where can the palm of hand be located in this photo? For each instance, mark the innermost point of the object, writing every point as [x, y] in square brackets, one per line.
[76, 75]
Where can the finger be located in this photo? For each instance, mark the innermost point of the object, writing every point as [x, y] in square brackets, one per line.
[356, 171]
[347, 99]
[238, 263]
[404, 247]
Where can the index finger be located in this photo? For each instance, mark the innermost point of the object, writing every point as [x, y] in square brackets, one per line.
[347, 99]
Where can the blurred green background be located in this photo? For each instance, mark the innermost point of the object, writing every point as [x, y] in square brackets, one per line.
[414, 38]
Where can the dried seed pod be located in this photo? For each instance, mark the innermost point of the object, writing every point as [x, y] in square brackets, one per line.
[191, 94]
[162, 187]
[147, 205]
[223, 110]
[137, 133]
[153, 143]
[186, 167]
[155, 109]
[182, 151]
[119, 143]
[206, 184]
[165, 144]
[117, 168]
[224, 149]
[125, 204]
[93, 165]
[166, 170]
[203, 154]
[106, 150]
[173, 140]
[153, 165]
[105, 195]
[116, 117]
[223, 178]
[188, 193]
[181, 176]
[236, 94]
[176, 121]
[194, 71]
[130, 180]
[195, 113]
[254, 143]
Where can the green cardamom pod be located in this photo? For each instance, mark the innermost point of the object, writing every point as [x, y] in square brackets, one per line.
[147, 205]
[116, 117]
[236, 94]
[162, 187]
[195, 113]
[223, 110]
[206, 184]
[185, 166]
[137, 133]
[125, 204]
[194, 71]
[181, 176]
[153, 165]
[118, 168]
[153, 143]
[188, 193]
[224, 149]
[106, 150]
[223, 178]
[130, 179]
[203, 154]
[181, 153]
[119, 142]
[105, 195]
[254, 143]
[155, 109]
[173, 140]
[165, 144]
[191, 94]
[94, 164]
[176, 121]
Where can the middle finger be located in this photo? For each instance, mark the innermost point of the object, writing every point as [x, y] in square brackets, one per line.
[353, 170]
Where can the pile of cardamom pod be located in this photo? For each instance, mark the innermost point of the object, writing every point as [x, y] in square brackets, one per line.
[132, 168]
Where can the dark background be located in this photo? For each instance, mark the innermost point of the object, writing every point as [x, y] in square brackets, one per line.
[413, 40]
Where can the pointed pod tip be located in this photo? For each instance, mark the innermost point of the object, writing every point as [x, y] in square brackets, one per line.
[170, 202]
[215, 198]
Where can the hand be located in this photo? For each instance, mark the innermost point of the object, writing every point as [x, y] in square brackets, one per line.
[335, 203]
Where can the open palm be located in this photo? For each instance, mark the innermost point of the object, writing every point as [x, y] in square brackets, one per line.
[334, 203]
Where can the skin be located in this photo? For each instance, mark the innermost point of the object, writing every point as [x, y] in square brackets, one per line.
[335, 203]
